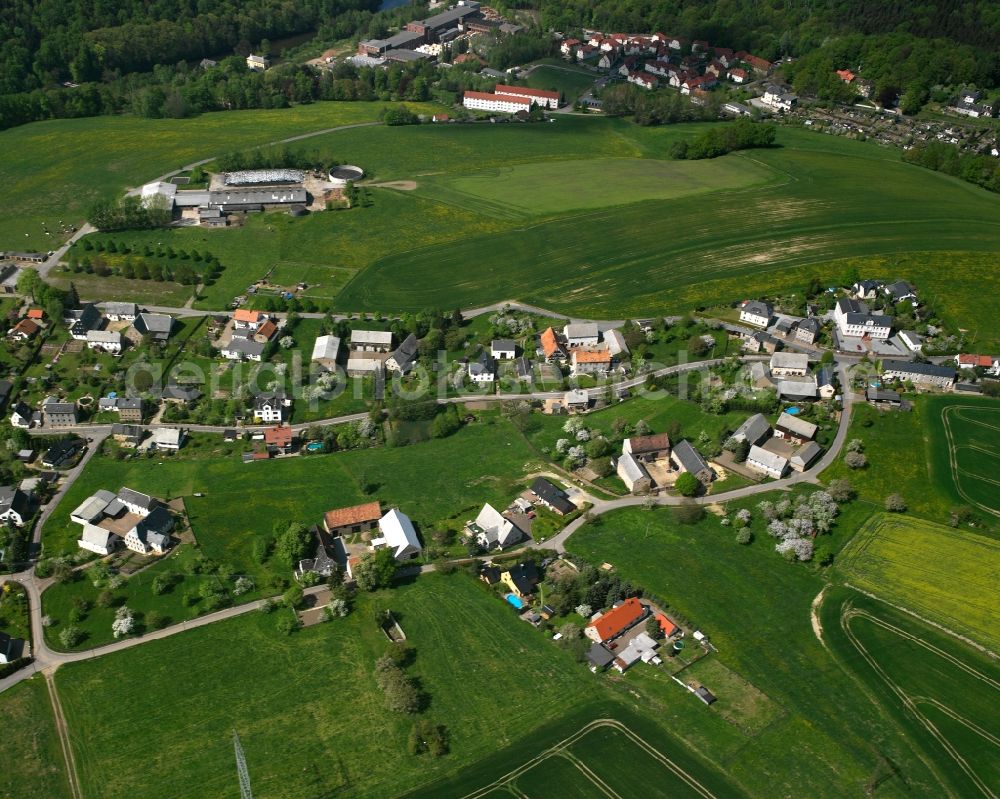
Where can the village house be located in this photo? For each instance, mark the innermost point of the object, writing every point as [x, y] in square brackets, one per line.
[80, 320]
[807, 330]
[617, 621]
[754, 430]
[882, 398]
[686, 458]
[246, 319]
[761, 341]
[363, 367]
[521, 580]
[633, 474]
[912, 339]
[738, 75]
[24, 330]
[265, 332]
[325, 350]
[371, 340]
[104, 515]
[129, 409]
[552, 497]
[270, 407]
[243, 349]
[352, 520]
[154, 326]
[119, 311]
[492, 530]
[901, 291]
[551, 347]
[589, 361]
[803, 457]
[766, 462]
[643, 80]
[826, 382]
[58, 414]
[396, 533]
[168, 438]
[756, 313]
[581, 334]
[778, 99]
[151, 534]
[482, 370]
[853, 320]
[98, 540]
[15, 506]
[404, 356]
[989, 363]
[60, 452]
[796, 388]
[324, 561]
[503, 349]
[105, 340]
[866, 289]
[128, 435]
[539, 97]
[647, 448]
[523, 368]
[257, 63]
[615, 342]
[924, 375]
[789, 364]
[640, 647]
[793, 429]
[279, 440]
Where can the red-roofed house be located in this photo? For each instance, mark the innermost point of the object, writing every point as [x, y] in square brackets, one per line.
[759, 64]
[248, 320]
[617, 621]
[738, 75]
[504, 103]
[588, 362]
[541, 97]
[551, 347]
[279, 437]
[845, 75]
[355, 519]
[988, 362]
[668, 627]
[37, 314]
[23, 330]
[644, 80]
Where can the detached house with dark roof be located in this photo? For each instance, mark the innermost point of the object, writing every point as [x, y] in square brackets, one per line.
[920, 374]
[647, 448]
[687, 459]
[756, 313]
[552, 497]
[404, 356]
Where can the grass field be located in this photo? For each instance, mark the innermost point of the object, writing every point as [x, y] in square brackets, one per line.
[555, 187]
[485, 462]
[966, 452]
[62, 166]
[571, 82]
[898, 460]
[941, 692]
[945, 574]
[314, 723]
[755, 607]
[31, 759]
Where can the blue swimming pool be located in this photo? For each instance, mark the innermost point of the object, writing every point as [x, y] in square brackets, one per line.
[793, 411]
[515, 601]
[314, 446]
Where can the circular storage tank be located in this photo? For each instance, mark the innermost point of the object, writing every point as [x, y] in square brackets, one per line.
[340, 175]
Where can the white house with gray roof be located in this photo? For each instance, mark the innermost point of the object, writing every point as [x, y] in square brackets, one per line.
[243, 349]
[687, 459]
[396, 533]
[753, 430]
[794, 429]
[503, 349]
[119, 311]
[756, 313]
[789, 364]
[404, 356]
[920, 374]
[804, 456]
[854, 321]
[493, 530]
[633, 474]
[765, 462]
[325, 351]
[581, 334]
[371, 340]
[615, 342]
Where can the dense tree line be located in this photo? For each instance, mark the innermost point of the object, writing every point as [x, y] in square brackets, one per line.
[655, 108]
[128, 213]
[983, 170]
[743, 134]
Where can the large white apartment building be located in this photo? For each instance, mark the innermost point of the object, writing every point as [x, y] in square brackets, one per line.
[504, 103]
[540, 97]
[854, 320]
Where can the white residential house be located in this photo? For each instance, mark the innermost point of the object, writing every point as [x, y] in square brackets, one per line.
[590, 361]
[778, 99]
[502, 103]
[756, 313]
[404, 356]
[912, 339]
[104, 340]
[397, 533]
[243, 349]
[804, 456]
[853, 320]
[792, 428]
[503, 349]
[765, 462]
[171, 438]
[581, 334]
[494, 531]
[137, 502]
[151, 535]
[270, 408]
[119, 311]
[615, 342]
[371, 340]
[21, 416]
[789, 364]
[483, 370]
[257, 63]
[753, 430]
[807, 330]
[15, 506]
[920, 374]
[362, 367]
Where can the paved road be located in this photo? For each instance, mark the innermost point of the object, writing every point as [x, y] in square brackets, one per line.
[558, 541]
[46, 658]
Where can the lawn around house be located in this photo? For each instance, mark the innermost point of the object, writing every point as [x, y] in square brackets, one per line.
[313, 695]
[31, 759]
[946, 574]
[755, 608]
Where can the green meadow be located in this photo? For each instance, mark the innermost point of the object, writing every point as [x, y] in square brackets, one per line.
[58, 168]
[31, 758]
[942, 693]
[310, 717]
[943, 573]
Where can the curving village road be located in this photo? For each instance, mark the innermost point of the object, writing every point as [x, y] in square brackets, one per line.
[47, 659]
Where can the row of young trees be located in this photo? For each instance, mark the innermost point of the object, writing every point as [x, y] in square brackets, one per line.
[983, 170]
[129, 213]
[743, 134]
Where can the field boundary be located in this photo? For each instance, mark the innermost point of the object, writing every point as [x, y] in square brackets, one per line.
[558, 750]
[946, 414]
[62, 729]
[847, 614]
